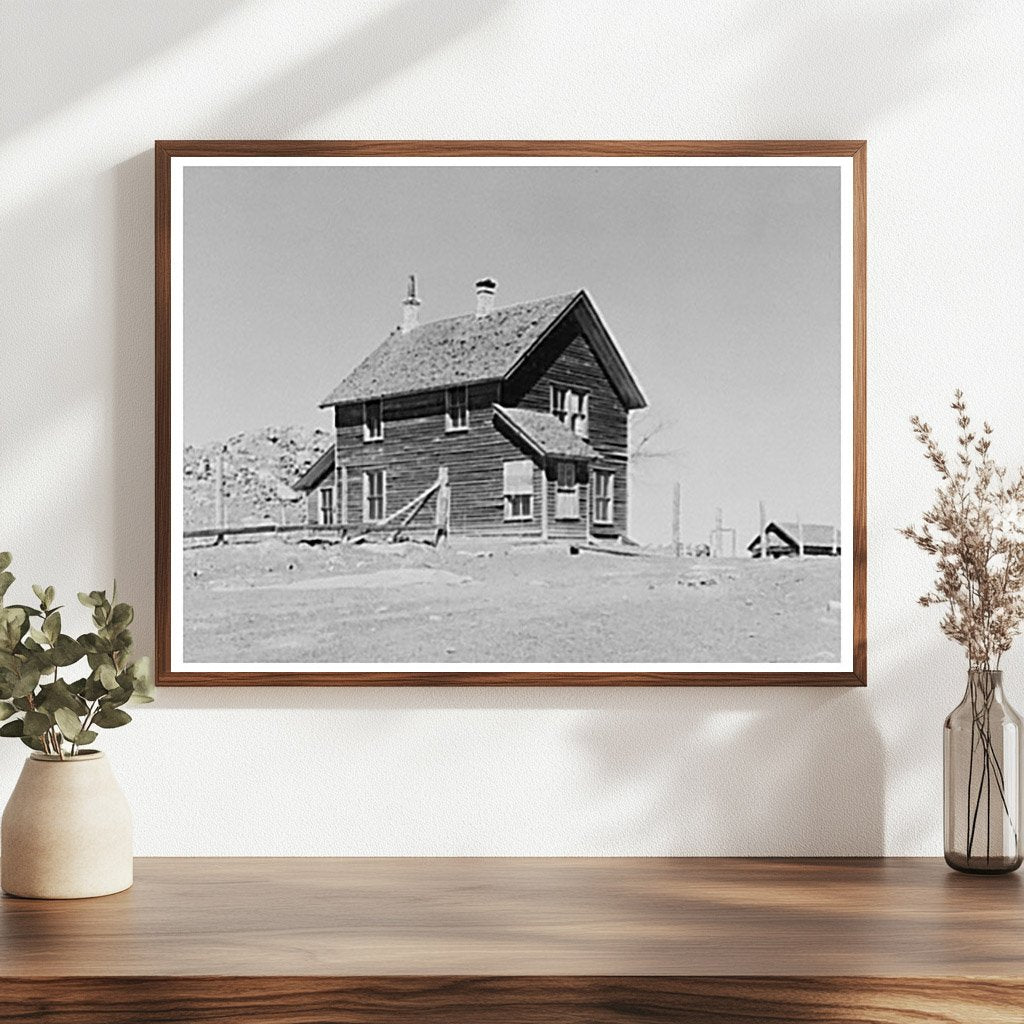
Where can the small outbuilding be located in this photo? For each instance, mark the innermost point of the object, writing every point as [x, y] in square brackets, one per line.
[783, 540]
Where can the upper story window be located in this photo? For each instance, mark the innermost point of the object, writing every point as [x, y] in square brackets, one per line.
[572, 407]
[456, 409]
[373, 420]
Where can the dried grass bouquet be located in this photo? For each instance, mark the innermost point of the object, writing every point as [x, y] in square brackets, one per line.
[975, 531]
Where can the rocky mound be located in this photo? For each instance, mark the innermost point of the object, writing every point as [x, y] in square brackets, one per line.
[259, 470]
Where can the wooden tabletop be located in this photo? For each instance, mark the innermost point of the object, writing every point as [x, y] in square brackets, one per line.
[503, 916]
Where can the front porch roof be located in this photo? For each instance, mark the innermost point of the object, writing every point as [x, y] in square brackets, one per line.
[544, 433]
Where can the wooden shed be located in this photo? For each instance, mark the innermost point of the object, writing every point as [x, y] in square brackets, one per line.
[783, 540]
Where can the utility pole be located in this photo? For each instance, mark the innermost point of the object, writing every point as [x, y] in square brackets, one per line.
[676, 507]
[219, 485]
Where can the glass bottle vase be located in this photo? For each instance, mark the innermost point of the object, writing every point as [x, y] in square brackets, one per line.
[981, 771]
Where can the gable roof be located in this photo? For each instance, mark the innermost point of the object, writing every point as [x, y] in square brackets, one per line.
[544, 433]
[816, 535]
[316, 472]
[468, 348]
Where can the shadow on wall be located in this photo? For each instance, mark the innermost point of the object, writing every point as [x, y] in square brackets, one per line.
[830, 67]
[740, 772]
[47, 47]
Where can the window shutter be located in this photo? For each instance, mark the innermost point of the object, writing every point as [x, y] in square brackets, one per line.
[519, 477]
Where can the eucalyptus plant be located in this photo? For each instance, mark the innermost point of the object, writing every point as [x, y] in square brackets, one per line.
[37, 704]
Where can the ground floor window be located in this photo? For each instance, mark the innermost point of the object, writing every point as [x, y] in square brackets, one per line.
[374, 495]
[604, 497]
[518, 488]
[326, 506]
[567, 496]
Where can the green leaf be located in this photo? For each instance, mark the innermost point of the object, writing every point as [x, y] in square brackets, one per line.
[6, 579]
[94, 689]
[6, 710]
[38, 635]
[31, 741]
[142, 682]
[36, 723]
[51, 626]
[5, 560]
[66, 651]
[122, 616]
[59, 695]
[69, 723]
[89, 642]
[28, 610]
[50, 595]
[102, 648]
[107, 718]
[107, 676]
[16, 727]
[115, 698]
[13, 624]
[40, 592]
[86, 736]
[89, 600]
[28, 680]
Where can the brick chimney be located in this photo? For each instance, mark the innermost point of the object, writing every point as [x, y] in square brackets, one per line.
[410, 307]
[485, 289]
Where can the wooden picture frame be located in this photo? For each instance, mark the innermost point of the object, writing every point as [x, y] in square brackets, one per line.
[849, 156]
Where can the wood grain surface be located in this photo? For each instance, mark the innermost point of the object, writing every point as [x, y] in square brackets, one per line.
[520, 939]
[166, 150]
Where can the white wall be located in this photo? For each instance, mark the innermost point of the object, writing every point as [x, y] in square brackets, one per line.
[937, 90]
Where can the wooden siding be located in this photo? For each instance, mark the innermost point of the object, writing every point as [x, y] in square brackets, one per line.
[415, 445]
[567, 359]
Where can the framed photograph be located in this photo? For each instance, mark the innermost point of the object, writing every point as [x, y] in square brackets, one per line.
[493, 413]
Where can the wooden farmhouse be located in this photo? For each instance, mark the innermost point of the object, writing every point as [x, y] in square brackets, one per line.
[520, 415]
[783, 540]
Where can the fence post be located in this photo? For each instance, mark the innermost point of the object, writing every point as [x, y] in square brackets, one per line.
[443, 511]
[764, 526]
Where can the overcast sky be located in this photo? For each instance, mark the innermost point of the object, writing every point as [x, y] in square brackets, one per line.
[721, 286]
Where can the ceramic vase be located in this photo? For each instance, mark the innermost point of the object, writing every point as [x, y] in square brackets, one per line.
[66, 831]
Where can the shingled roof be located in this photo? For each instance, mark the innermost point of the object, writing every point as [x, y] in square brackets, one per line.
[544, 433]
[458, 350]
[315, 474]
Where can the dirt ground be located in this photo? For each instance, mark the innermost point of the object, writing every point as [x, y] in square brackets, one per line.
[496, 601]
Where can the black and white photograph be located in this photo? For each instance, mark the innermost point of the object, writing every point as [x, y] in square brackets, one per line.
[514, 415]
